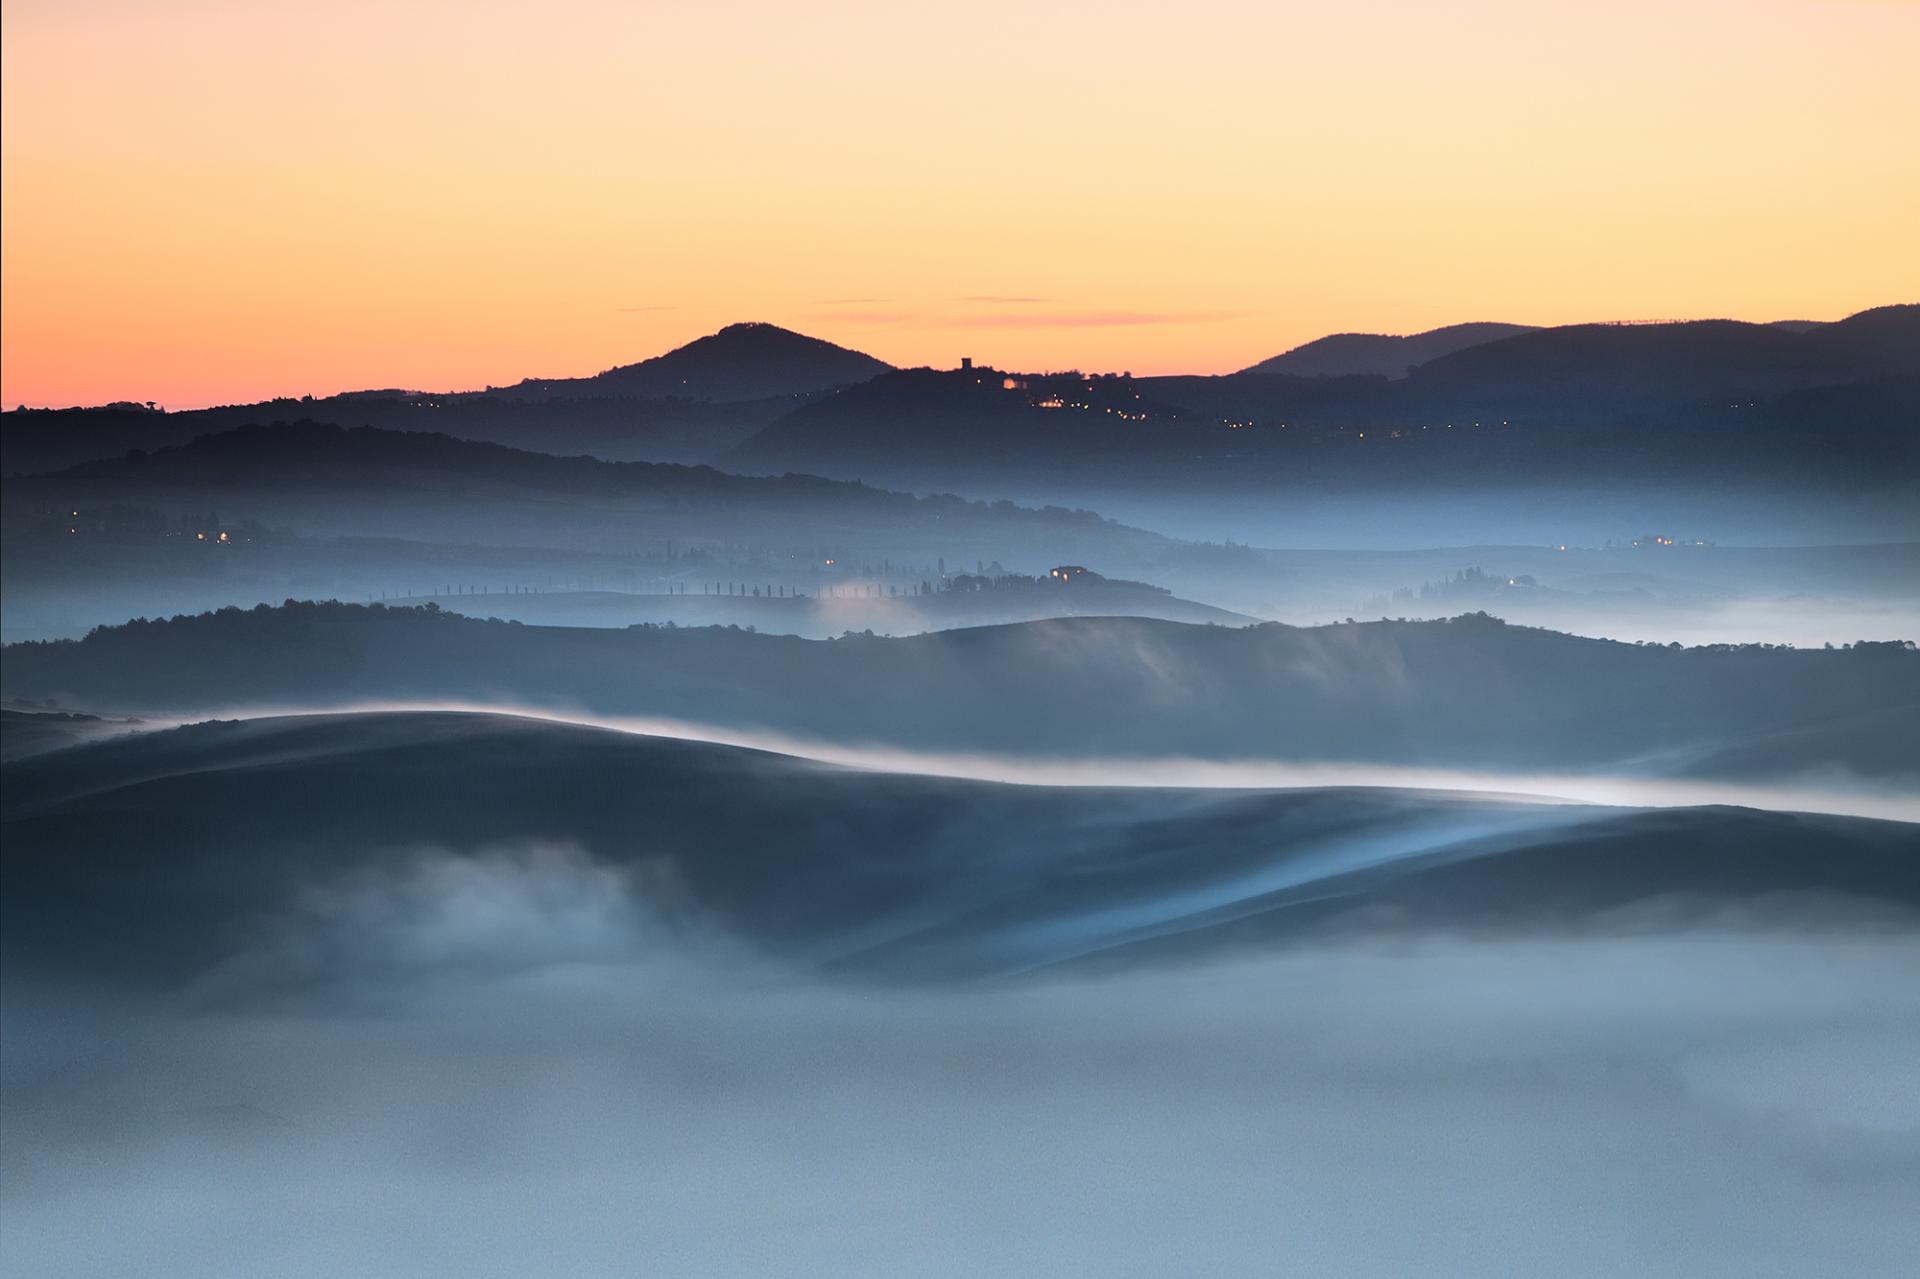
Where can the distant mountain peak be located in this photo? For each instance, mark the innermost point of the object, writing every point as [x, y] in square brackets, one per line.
[757, 331]
[747, 360]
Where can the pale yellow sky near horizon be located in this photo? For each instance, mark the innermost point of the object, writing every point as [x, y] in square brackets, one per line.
[223, 200]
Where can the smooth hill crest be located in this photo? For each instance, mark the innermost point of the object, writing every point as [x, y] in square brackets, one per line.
[1468, 693]
[747, 361]
[1879, 341]
[1382, 354]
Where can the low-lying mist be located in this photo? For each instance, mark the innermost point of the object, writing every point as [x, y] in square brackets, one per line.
[1823, 789]
[417, 992]
[501, 1065]
[1471, 694]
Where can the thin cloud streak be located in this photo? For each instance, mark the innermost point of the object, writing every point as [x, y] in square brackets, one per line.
[1039, 319]
[903, 319]
[1092, 319]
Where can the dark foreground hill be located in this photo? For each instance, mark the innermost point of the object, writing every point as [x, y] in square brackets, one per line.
[1471, 693]
[163, 857]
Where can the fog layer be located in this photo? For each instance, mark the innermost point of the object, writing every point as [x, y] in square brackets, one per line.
[1729, 1103]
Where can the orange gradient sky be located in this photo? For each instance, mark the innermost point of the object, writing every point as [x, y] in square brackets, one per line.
[218, 201]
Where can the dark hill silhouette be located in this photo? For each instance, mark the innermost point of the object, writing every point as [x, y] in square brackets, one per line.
[319, 511]
[1648, 387]
[324, 478]
[895, 876]
[1471, 693]
[688, 405]
[1693, 361]
[1708, 403]
[942, 417]
[317, 453]
[752, 361]
[561, 421]
[1885, 337]
[1382, 354]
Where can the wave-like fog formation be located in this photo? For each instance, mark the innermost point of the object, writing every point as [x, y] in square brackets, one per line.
[389, 993]
[164, 848]
[1830, 790]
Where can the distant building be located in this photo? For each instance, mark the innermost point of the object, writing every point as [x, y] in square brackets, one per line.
[1066, 573]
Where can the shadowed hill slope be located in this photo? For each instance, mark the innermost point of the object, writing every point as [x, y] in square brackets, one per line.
[688, 405]
[752, 361]
[1702, 405]
[1697, 360]
[176, 854]
[329, 480]
[1382, 354]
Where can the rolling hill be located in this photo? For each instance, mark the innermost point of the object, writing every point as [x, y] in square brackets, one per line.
[1381, 354]
[322, 479]
[1679, 364]
[1472, 693]
[173, 853]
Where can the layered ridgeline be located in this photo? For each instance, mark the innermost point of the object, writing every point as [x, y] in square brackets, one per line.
[1619, 397]
[684, 406]
[274, 855]
[1674, 360]
[310, 510]
[1710, 402]
[962, 599]
[1471, 694]
[323, 480]
[1389, 355]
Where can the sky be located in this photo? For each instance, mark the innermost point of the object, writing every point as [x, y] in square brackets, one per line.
[219, 201]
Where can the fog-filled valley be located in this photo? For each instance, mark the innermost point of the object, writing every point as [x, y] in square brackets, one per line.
[893, 875]
[1444, 802]
[1471, 693]
[487, 994]
[1720, 1104]
[265, 513]
[874, 641]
